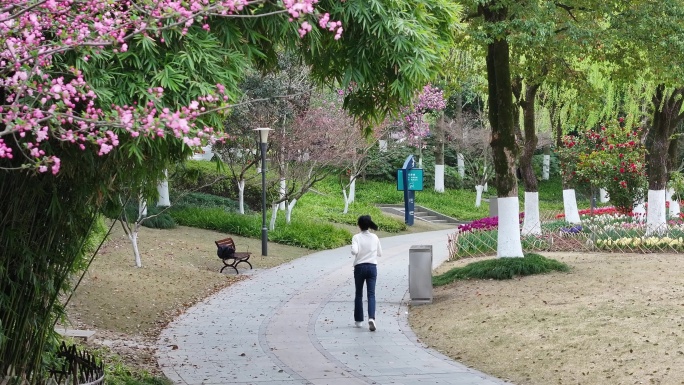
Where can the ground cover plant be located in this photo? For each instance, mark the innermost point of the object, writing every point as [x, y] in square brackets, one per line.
[301, 232]
[501, 268]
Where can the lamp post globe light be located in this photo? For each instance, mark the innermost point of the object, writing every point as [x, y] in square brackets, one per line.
[263, 143]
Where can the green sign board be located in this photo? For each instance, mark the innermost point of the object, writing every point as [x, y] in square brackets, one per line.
[415, 179]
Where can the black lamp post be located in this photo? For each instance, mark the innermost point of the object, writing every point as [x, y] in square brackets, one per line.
[263, 143]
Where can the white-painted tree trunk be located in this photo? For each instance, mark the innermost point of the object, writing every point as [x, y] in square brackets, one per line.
[133, 237]
[674, 204]
[352, 189]
[142, 208]
[163, 191]
[508, 239]
[546, 167]
[603, 195]
[639, 212]
[383, 145]
[570, 206]
[485, 188]
[656, 216]
[288, 213]
[478, 197]
[241, 195]
[439, 178]
[346, 201]
[274, 216]
[460, 161]
[531, 222]
[282, 190]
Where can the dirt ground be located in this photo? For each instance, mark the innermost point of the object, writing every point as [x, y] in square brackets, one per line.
[128, 306]
[614, 319]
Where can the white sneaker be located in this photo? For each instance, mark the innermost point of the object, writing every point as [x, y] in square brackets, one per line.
[371, 324]
[358, 324]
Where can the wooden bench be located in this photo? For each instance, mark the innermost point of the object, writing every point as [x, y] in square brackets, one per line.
[235, 259]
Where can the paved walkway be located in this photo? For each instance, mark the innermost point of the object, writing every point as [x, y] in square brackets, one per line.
[293, 324]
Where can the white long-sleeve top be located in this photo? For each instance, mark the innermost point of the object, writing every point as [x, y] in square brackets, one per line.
[366, 248]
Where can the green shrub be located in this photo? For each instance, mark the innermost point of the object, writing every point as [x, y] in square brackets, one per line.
[205, 177]
[383, 165]
[201, 176]
[160, 220]
[118, 373]
[452, 179]
[205, 200]
[538, 164]
[310, 234]
[96, 236]
[501, 268]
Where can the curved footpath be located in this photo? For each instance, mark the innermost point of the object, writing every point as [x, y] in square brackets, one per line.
[293, 324]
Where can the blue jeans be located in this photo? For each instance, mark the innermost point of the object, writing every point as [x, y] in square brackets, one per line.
[368, 273]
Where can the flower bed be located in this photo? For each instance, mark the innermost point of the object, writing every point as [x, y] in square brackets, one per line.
[607, 231]
[597, 211]
[643, 244]
[484, 224]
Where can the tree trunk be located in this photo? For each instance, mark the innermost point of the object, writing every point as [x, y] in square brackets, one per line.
[530, 139]
[554, 117]
[504, 148]
[439, 155]
[570, 206]
[546, 164]
[241, 195]
[666, 117]
[163, 191]
[352, 189]
[673, 160]
[288, 213]
[282, 192]
[274, 216]
[478, 195]
[142, 208]
[501, 113]
[133, 237]
[672, 198]
[382, 145]
[346, 201]
[532, 223]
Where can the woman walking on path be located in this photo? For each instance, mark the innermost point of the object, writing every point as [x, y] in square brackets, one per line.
[366, 249]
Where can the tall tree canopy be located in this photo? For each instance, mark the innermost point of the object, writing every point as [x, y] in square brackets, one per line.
[98, 95]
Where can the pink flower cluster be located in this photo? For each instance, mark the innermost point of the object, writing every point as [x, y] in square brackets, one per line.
[484, 224]
[39, 105]
[332, 26]
[430, 99]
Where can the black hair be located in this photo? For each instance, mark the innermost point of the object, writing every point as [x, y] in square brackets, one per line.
[365, 222]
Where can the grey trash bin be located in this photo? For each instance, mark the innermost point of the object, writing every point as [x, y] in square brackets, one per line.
[420, 274]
